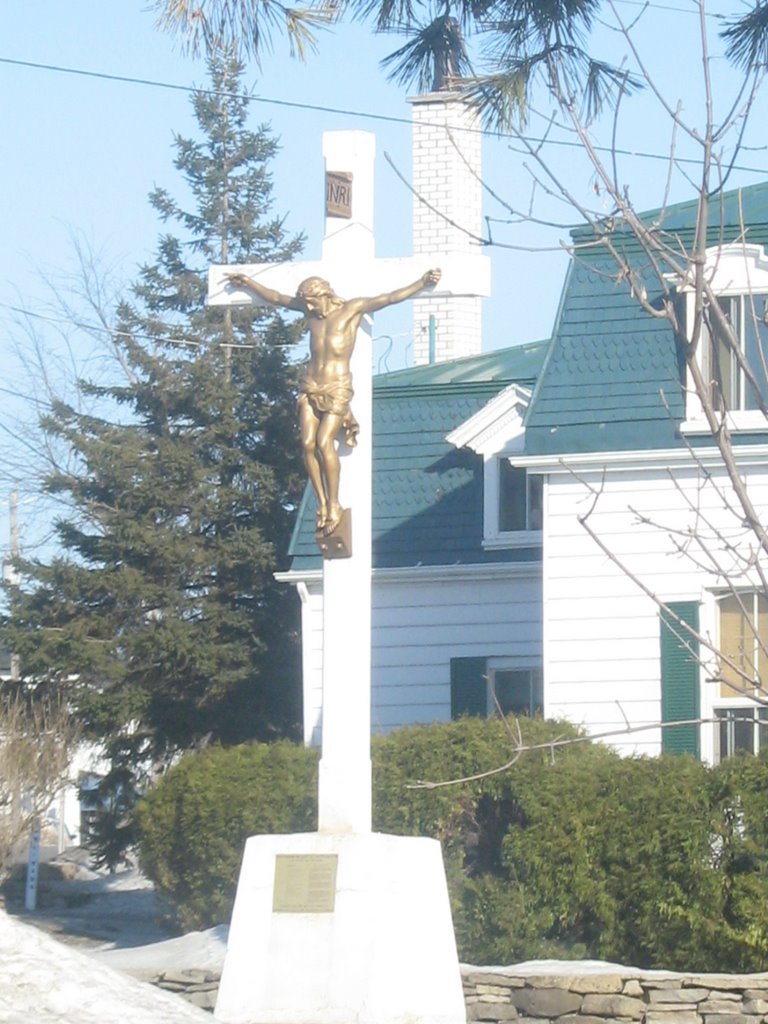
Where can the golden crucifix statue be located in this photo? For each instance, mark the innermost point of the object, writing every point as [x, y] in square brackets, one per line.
[326, 389]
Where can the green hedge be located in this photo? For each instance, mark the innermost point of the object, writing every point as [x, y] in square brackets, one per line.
[574, 852]
[192, 826]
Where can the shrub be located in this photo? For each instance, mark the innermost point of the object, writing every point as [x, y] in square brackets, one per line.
[657, 862]
[193, 825]
[739, 789]
[498, 917]
[619, 860]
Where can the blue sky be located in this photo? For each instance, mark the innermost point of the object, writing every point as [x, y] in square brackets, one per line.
[80, 154]
[85, 151]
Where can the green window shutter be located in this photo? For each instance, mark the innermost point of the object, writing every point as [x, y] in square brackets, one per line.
[468, 687]
[680, 678]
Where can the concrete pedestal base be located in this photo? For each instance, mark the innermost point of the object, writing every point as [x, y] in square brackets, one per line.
[384, 953]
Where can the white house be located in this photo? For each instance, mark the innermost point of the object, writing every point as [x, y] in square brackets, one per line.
[532, 520]
[618, 435]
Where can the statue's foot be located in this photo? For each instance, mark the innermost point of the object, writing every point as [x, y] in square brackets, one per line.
[332, 520]
[321, 516]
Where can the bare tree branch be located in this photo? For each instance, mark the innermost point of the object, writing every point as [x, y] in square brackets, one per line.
[521, 749]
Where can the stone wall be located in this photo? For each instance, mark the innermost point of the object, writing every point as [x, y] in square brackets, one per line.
[613, 995]
[199, 987]
[558, 994]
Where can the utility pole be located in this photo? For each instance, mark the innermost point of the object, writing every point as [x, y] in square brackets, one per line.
[33, 857]
[13, 508]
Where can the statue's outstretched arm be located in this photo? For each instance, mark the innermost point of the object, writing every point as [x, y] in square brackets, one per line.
[427, 280]
[269, 295]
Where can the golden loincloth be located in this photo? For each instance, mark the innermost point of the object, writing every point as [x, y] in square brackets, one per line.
[333, 398]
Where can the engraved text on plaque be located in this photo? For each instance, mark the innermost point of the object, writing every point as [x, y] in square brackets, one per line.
[338, 194]
[305, 883]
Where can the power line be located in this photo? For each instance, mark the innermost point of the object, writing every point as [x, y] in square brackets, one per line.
[346, 112]
[175, 87]
[637, 154]
[113, 332]
[667, 7]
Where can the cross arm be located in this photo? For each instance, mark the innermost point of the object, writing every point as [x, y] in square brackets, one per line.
[262, 291]
[460, 275]
[267, 280]
[376, 302]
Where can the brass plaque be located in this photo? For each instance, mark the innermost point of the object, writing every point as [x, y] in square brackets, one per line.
[305, 883]
[338, 194]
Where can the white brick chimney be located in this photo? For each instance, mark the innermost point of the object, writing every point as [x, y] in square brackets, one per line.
[447, 213]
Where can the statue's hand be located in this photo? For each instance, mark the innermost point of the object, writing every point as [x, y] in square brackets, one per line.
[242, 280]
[431, 278]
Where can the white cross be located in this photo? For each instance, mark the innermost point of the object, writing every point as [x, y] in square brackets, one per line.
[348, 262]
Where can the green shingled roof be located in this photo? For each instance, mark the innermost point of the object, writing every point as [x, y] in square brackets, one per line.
[612, 380]
[519, 364]
[427, 496]
[730, 213]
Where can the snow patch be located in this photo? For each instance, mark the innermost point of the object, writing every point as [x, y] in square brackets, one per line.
[44, 981]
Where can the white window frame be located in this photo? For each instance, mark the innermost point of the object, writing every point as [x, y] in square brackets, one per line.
[713, 703]
[759, 716]
[496, 665]
[493, 536]
[734, 270]
[744, 311]
[749, 596]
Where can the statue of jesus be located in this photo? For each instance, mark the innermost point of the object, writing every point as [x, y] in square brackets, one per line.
[326, 389]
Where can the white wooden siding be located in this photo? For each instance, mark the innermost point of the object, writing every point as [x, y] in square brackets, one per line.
[418, 626]
[601, 632]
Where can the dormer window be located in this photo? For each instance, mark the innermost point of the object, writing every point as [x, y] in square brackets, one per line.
[738, 275]
[520, 499]
[721, 364]
[513, 499]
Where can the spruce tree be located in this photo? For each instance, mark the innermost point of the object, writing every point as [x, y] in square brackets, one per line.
[160, 616]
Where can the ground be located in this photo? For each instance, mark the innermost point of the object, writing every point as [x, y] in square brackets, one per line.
[60, 963]
[87, 908]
